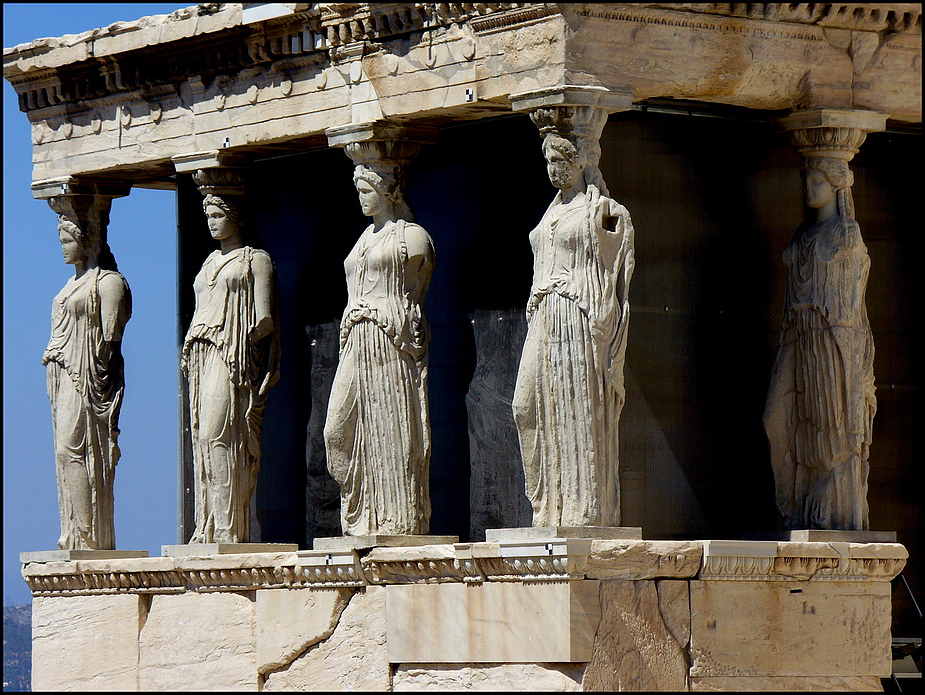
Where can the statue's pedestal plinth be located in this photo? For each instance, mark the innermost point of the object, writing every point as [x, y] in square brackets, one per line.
[203, 549]
[70, 555]
[380, 541]
[536, 533]
[827, 536]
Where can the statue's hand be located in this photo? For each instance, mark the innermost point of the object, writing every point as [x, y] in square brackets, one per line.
[261, 330]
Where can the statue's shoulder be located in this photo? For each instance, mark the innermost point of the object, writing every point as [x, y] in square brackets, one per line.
[611, 208]
[260, 261]
[418, 241]
[111, 281]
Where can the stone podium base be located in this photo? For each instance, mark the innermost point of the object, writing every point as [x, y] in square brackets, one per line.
[561, 614]
[379, 541]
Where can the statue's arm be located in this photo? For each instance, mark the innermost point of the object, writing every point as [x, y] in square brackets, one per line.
[262, 268]
[114, 306]
[421, 259]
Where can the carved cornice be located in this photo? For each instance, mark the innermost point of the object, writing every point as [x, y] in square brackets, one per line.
[857, 16]
[554, 560]
[775, 562]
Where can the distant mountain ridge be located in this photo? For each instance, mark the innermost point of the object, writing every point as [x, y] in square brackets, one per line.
[17, 649]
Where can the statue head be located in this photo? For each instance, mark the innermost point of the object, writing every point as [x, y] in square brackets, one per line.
[224, 215]
[571, 144]
[380, 186]
[825, 178]
[74, 244]
[81, 244]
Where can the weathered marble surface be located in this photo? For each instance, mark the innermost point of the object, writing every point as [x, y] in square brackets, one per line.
[492, 677]
[496, 482]
[644, 559]
[195, 641]
[85, 373]
[289, 621]
[778, 684]
[71, 633]
[634, 649]
[492, 622]
[352, 658]
[794, 628]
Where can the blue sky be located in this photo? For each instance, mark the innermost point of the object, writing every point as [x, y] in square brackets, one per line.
[142, 234]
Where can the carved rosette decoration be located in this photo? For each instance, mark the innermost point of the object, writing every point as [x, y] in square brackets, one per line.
[231, 358]
[821, 404]
[578, 317]
[377, 430]
[84, 365]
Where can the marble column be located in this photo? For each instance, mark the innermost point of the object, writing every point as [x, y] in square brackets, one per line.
[821, 404]
[85, 369]
[570, 389]
[231, 356]
[377, 431]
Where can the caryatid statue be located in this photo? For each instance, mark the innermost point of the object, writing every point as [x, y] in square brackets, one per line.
[231, 359]
[821, 404]
[570, 389]
[85, 370]
[377, 431]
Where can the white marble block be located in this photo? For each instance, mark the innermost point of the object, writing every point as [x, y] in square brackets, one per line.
[85, 642]
[510, 622]
[199, 641]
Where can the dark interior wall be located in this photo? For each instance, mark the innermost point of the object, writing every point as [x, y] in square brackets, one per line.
[714, 202]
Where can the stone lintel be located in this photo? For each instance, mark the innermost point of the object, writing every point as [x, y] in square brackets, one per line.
[342, 543]
[341, 136]
[867, 121]
[71, 555]
[76, 186]
[828, 536]
[194, 161]
[567, 95]
[206, 549]
[530, 533]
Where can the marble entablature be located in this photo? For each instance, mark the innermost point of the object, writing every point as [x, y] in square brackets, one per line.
[123, 100]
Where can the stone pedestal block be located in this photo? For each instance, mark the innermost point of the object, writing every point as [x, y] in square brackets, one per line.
[492, 622]
[85, 642]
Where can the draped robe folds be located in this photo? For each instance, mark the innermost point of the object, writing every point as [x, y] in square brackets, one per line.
[86, 381]
[377, 431]
[821, 402]
[570, 389]
[229, 377]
